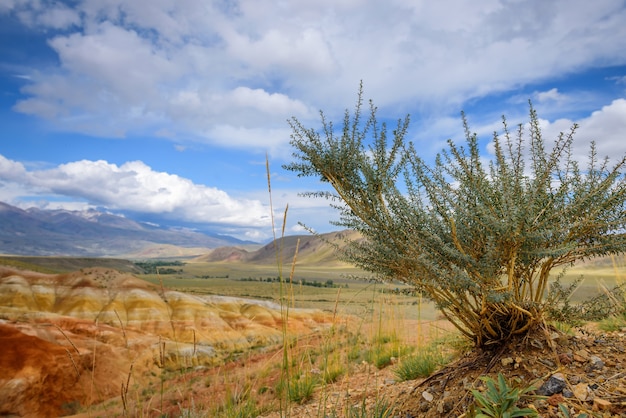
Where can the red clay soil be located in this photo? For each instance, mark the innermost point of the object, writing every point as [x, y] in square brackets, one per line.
[41, 384]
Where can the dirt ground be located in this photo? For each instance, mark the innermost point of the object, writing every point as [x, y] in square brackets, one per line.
[589, 368]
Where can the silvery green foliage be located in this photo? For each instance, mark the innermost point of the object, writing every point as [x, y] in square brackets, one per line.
[478, 237]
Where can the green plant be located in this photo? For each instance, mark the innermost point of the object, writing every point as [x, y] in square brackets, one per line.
[381, 409]
[613, 323]
[421, 364]
[244, 409]
[479, 238]
[332, 371]
[299, 389]
[565, 413]
[499, 400]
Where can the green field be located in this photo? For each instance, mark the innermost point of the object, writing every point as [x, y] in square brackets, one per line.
[347, 296]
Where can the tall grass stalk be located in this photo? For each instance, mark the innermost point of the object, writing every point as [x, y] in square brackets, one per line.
[285, 398]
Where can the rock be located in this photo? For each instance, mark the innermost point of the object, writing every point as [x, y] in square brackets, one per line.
[601, 404]
[581, 356]
[595, 363]
[506, 361]
[574, 380]
[565, 358]
[555, 384]
[427, 396]
[581, 392]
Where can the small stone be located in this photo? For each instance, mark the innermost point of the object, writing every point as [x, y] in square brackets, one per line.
[506, 361]
[581, 392]
[574, 380]
[567, 393]
[595, 363]
[555, 384]
[565, 358]
[601, 404]
[583, 355]
[427, 396]
[447, 405]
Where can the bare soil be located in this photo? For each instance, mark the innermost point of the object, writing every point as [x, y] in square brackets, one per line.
[591, 364]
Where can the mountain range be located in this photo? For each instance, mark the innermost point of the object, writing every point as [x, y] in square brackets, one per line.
[92, 233]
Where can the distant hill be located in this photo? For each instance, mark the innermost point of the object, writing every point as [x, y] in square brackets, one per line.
[56, 264]
[92, 233]
[312, 250]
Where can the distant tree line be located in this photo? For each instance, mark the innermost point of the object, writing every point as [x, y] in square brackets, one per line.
[160, 267]
[303, 282]
[206, 276]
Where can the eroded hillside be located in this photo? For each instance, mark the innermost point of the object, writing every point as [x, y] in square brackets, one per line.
[73, 340]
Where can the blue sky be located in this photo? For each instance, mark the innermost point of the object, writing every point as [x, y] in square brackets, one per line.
[164, 110]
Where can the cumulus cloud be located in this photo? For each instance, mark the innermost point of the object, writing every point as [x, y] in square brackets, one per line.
[188, 67]
[135, 187]
[605, 127]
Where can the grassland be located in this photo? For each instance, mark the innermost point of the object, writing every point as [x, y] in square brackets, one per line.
[347, 295]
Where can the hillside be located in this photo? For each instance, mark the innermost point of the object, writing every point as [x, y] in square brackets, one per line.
[312, 251]
[91, 233]
[67, 264]
[73, 340]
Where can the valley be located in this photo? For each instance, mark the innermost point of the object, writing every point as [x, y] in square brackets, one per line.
[216, 335]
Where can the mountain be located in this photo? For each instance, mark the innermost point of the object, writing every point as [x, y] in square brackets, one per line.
[311, 250]
[92, 233]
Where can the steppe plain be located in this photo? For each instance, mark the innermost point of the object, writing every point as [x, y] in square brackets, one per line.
[89, 337]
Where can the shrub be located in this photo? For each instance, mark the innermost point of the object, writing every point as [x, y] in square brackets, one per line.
[478, 238]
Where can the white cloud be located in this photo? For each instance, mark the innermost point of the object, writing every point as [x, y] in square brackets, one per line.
[606, 127]
[135, 187]
[42, 14]
[58, 16]
[11, 170]
[199, 68]
[551, 95]
[7, 5]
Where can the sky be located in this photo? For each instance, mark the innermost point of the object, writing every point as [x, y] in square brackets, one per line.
[167, 110]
